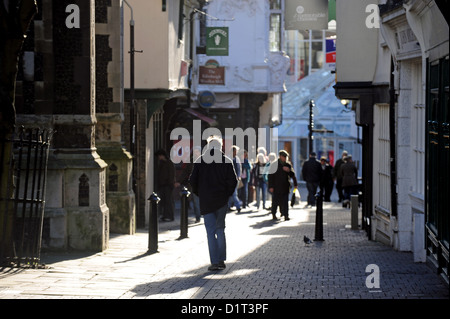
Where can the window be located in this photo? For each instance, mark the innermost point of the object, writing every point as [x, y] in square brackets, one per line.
[275, 26]
[275, 32]
[275, 4]
[306, 49]
[382, 160]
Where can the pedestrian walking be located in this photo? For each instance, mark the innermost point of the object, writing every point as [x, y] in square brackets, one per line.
[165, 178]
[326, 184]
[312, 175]
[245, 177]
[280, 185]
[349, 179]
[214, 181]
[271, 158]
[186, 170]
[196, 153]
[259, 180]
[338, 176]
[234, 199]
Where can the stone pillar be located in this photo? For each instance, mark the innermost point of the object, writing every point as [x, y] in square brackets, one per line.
[109, 112]
[77, 174]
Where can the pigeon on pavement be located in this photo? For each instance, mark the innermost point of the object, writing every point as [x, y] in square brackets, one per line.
[307, 240]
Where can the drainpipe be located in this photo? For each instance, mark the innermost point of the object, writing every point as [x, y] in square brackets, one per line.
[198, 9]
[132, 124]
[191, 55]
[393, 142]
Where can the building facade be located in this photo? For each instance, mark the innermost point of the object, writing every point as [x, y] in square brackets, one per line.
[70, 80]
[400, 92]
[312, 54]
[160, 84]
[239, 61]
[182, 78]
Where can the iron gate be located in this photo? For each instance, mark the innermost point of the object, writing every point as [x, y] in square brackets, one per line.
[23, 170]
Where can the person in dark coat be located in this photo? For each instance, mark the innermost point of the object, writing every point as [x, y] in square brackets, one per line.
[312, 175]
[279, 184]
[214, 180]
[165, 179]
[337, 175]
[326, 185]
[186, 170]
[349, 180]
[246, 168]
[234, 198]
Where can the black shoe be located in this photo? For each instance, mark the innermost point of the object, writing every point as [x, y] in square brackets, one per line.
[286, 218]
[221, 265]
[215, 267]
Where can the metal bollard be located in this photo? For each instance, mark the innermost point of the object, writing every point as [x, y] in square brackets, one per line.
[153, 224]
[184, 213]
[354, 211]
[319, 217]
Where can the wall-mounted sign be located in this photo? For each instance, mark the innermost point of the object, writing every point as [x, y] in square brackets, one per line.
[184, 67]
[330, 59]
[306, 14]
[211, 73]
[216, 40]
[206, 99]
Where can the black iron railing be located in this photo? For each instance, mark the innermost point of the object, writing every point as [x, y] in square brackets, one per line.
[23, 170]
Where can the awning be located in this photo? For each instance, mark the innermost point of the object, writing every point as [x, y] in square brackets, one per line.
[202, 117]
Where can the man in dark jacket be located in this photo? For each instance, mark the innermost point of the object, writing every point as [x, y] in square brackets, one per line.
[165, 179]
[279, 185]
[338, 176]
[214, 180]
[312, 175]
[326, 184]
[349, 180]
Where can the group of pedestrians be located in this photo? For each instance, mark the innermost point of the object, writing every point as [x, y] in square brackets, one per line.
[320, 176]
[346, 178]
[215, 184]
[251, 176]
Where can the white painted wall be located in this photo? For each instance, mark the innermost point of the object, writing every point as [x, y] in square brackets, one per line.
[156, 33]
[250, 66]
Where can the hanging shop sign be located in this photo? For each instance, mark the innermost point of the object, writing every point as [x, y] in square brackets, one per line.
[211, 73]
[217, 41]
[306, 14]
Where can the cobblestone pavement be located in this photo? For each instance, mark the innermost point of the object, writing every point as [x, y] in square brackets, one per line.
[266, 260]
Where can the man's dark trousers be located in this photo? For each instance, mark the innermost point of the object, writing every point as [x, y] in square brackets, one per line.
[281, 200]
[312, 190]
[166, 206]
